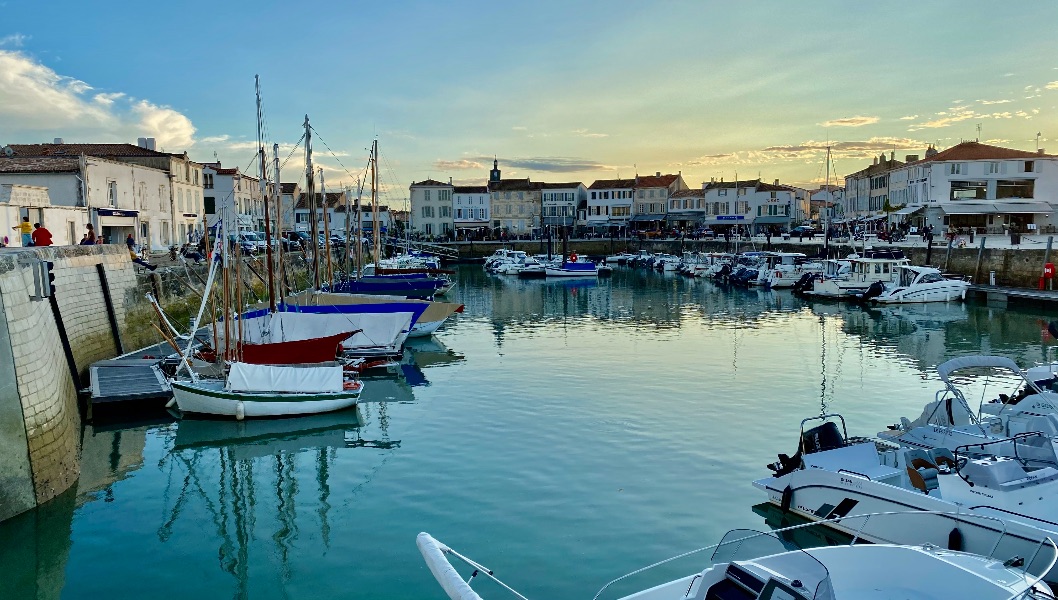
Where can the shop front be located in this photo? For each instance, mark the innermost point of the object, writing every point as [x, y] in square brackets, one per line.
[994, 217]
[114, 225]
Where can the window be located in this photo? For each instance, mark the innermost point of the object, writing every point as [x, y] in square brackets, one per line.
[992, 168]
[196, 176]
[426, 195]
[721, 192]
[741, 207]
[444, 195]
[481, 214]
[640, 193]
[207, 180]
[1030, 166]
[672, 204]
[968, 190]
[742, 191]
[521, 195]
[508, 207]
[521, 207]
[651, 193]
[459, 213]
[620, 211]
[593, 196]
[210, 205]
[428, 228]
[1015, 188]
[956, 169]
[72, 231]
[112, 192]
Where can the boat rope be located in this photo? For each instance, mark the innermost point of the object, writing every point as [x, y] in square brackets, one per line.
[292, 151]
[333, 155]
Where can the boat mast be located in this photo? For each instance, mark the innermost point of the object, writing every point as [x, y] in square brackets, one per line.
[348, 235]
[310, 193]
[374, 203]
[359, 228]
[264, 198]
[826, 208]
[326, 229]
[279, 219]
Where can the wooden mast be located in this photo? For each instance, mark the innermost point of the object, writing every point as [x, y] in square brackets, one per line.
[326, 229]
[279, 220]
[310, 193]
[374, 204]
[264, 198]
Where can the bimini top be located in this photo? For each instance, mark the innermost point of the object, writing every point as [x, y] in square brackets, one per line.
[967, 362]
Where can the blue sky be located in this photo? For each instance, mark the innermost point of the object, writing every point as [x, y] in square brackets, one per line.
[559, 91]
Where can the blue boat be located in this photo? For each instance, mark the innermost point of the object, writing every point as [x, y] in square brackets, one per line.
[420, 287]
[574, 269]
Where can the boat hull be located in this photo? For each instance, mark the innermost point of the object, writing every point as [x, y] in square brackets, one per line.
[210, 398]
[946, 291]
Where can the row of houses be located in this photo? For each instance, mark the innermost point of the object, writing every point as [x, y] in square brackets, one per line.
[160, 198]
[642, 203]
[988, 188]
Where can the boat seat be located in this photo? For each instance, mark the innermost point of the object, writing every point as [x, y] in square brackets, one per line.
[918, 459]
[923, 479]
[942, 457]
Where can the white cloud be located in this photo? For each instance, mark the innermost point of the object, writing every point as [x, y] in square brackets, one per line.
[15, 40]
[458, 165]
[851, 122]
[587, 134]
[986, 102]
[909, 118]
[36, 103]
[519, 128]
[215, 139]
[1050, 86]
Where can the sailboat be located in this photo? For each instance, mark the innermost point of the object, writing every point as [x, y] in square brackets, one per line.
[256, 390]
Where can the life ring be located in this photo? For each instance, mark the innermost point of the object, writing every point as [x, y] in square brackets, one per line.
[573, 257]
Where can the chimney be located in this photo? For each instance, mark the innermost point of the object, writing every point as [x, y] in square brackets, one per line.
[892, 155]
[141, 142]
[1040, 151]
[657, 174]
[58, 141]
[876, 160]
[449, 181]
[150, 144]
[911, 158]
[776, 182]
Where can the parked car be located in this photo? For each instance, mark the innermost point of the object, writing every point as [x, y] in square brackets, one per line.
[805, 231]
[296, 240]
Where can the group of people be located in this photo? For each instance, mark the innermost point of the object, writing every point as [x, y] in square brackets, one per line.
[32, 234]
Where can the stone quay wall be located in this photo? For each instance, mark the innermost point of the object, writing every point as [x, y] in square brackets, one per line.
[1013, 267]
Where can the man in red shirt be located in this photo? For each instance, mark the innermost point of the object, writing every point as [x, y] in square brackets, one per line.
[41, 236]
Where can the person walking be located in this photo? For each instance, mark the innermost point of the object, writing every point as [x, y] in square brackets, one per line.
[40, 235]
[26, 229]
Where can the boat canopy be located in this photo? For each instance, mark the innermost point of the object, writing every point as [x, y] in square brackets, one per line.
[966, 362]
[375, 329]
[244, 377]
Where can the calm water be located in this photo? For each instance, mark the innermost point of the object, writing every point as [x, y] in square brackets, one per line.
[562, 434]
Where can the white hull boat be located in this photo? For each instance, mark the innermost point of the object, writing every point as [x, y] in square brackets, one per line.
[917, 284]
[269, 391]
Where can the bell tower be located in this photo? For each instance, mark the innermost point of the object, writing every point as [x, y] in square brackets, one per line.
[494, 174]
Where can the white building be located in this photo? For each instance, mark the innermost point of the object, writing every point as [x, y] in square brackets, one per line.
[230, 187]
[686, 208]
[988, 188]
[288, 199]
[752, 206]
[431, 208]
[832, 199]
[652, 193]
[609, 204]
[65, 193]
[561, 201]
[471, 207]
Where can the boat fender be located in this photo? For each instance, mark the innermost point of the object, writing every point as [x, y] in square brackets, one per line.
[955, 540]
[240, 411]
[787, 499]
[573, 257]
[171, 403]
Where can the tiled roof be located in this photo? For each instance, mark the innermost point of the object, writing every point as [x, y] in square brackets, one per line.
[287, 188]
[979, 151]
[561, 186]
[769, 187]
[333, 200]
[39, 165]
[513, 185]
[102, 150]
[649, 181]
[471, 189]
[879, 167]
[610, 184]
[692, 193]
[431, 183]
[716, 185]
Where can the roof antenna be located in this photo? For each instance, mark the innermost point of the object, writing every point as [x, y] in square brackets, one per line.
[978, 132]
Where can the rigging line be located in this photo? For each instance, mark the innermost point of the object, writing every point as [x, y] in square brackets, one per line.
[346, 169]
[292, 151]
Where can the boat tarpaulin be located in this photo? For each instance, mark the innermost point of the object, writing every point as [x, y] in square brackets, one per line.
[244, 377]
[376, 329]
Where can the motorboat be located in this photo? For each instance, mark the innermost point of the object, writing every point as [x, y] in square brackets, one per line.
[787, 268]
[831, 475]
[619, 259]
[873, 266]
[917, 284]
[754, 565]
[573, 268]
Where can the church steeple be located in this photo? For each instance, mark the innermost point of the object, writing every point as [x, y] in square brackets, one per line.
[494, 174]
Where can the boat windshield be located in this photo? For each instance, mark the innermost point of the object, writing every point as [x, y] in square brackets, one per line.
[907, 277]
[795, 564]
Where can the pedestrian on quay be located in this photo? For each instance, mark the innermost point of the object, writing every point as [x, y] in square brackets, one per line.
[26, 229]
[89, 238]
[40, 235]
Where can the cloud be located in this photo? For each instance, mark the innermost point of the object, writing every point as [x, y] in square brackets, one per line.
[851, 122]
[997, 141]
[1050, 86]
[520, 128]
[458, 165]
[38, 103]
[711, 159]
[587, 134]
[15, 40]
[554, 164]
[215, 139]
[909, 118]
[994, 101]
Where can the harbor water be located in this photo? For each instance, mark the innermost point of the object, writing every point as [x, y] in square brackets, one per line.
[561, 433]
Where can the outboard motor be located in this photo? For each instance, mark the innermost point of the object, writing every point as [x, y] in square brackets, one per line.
[804, 283]
[873, 291]
[724, 271]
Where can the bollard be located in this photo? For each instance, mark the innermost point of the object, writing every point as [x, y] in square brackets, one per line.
[991, 278]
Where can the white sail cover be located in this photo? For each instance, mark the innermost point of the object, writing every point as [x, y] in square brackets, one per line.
[379, 329]
[244, 377]
[443, 571]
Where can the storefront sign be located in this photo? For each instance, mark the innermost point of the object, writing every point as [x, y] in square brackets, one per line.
[730, 217]
[113, 212]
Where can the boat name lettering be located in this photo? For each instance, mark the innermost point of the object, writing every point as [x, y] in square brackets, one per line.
[1046, 405]
[973, 491]
[851, 481]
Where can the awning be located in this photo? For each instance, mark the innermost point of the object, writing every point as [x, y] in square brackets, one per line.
[907, 210]
[642, 218]
[685, 216]
[995, 208]
[772, 220]
[1023, 207]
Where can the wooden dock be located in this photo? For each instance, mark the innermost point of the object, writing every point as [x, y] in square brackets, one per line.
[1002, 296]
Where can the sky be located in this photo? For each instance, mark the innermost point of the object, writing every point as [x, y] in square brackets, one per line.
[556, 91]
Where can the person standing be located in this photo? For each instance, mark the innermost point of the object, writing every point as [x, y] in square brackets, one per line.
[40, 235]
[26, 229]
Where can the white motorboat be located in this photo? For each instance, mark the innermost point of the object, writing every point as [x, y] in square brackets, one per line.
[830, 476]
[269, 391]
[787, 268]
[873, 266]
[573, 268]
[753, 565]
[917, 284]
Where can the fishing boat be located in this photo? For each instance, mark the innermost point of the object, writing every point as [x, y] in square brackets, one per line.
[754, 565]
[269, 391]
[830, 476]
[915, 284]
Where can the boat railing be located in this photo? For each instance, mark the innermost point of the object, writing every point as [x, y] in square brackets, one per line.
[958, 516]
[1012, 440]
[856, 473]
